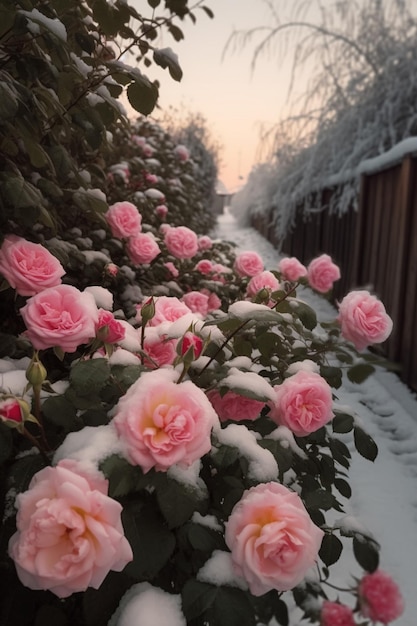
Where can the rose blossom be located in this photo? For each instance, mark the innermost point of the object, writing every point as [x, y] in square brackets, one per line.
[233, 406]
[161, 211]
[28, 267]
[335, 614]
[363, 319]
[214, 301]
[60, 316]
[108, 328]
[197, 302]
[322, 273]
[292, 269]
[205, 266]
[181, 242]
[272, 538]
[264, 280]
[167, 309]
[248, 264]
[205, 242]
[163, 423]
[69, 532]
[182, 152]
[161, 351]
[124, 219]
[380, 598]
[142, 248]
[303, 403]
[171, 269]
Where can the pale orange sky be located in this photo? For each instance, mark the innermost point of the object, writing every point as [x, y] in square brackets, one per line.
[234, 101]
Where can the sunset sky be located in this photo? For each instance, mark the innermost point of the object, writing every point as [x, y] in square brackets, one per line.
[234, 101]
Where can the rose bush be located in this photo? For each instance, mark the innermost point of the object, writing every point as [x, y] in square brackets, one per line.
[124, 475]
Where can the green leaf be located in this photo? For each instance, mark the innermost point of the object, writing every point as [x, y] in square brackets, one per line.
[143, 95]
[123, 477]
[9, 103]
[366, 553]
[364, 444]
[6, 443]
[154, 3]
[19, 194]
[175, 32]
[208, 11]
[89, 377]
[23, 470]
[331, 549]
[305, 313]
[197, 598]
[151, 541]
[177, 501]
[99, 604]
[58, 410]
[49, 614]
[333, 375]
[343, 487]
[166, 58]
[360, 372]
[205, 539]
[320, 499]
[342, 423]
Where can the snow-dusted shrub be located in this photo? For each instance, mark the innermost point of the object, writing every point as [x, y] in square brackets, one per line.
[190, 465]
[360, 101]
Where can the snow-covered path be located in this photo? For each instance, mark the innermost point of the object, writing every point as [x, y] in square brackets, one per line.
[384, 492]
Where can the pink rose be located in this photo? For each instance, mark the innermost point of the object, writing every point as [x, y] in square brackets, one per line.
[61, 317]
[214, 302]
[171, 269]
[233, 406]
[108, 328]
[163, 423]
[205, 266]
[197, 302]
[124, 219]
[28, 267]
[335, 614]
[152, 179]
[322, 273]
[363, 319]
[161, 351]
[205, 242]
[69, 532]
[181, 242]
[292, 269]
[161, 211]
[111, 269]
[264, 280]
[272, 538]
[303, 403]
[142, 248]
[248, 264]
[182, 152]
[167, 309]
[380, 598]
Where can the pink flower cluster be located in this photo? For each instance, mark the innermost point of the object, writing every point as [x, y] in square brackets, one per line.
[125, 222]
[272, 538]
[379, 597]
[336, 614]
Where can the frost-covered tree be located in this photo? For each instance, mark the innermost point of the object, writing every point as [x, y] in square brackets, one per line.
[361, 99]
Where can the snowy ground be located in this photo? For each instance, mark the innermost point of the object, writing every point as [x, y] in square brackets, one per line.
[384, 492]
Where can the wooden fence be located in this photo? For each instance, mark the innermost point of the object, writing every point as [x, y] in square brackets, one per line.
[375, 247]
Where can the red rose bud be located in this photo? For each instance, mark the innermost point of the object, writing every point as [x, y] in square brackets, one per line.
[14, 411]
[191, 345]
[111, 269]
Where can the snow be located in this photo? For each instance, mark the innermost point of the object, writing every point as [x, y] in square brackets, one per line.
[262, 464]
[55, 26]
[384, 500]
[218, 570]
[90, 445]
[251, 382]
[150, 606]
[102, 296]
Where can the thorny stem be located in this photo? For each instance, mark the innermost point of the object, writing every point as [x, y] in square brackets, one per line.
[36, 443]
[38, 415]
